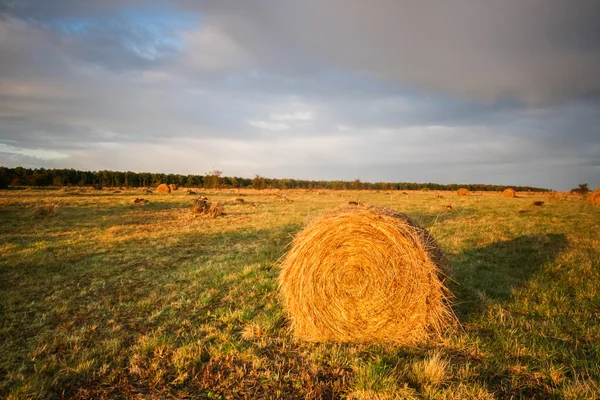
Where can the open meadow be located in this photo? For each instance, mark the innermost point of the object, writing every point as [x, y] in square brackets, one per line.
[101, 298]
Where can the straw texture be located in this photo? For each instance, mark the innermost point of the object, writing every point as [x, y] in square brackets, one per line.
[365, 274]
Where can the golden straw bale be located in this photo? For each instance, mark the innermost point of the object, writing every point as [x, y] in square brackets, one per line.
[365, 274]
[163, 188]
[173, 187]
[463, 192]
[594, 197]
[509, 193]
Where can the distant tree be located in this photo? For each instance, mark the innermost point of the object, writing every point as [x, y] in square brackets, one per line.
[4, 178]
[259, 182]
[57, 181]
[213, 179]
[357, 184]
[582, 189]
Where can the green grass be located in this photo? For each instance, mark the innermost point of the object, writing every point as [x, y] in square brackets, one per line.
[101, 298]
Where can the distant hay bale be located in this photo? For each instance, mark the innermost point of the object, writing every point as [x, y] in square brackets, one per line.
[203, 208]
[140, 201]
[558, 196]
[364, 275]
[173, 187]
[509, 193]
[353, 203]
[538, 203]
[163, 188]
[97, 186]
[463, 192]
[594, 197]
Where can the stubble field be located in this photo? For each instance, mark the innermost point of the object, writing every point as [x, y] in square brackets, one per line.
[101, 298]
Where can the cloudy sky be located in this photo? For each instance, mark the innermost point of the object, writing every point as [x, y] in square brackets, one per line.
[504, 92]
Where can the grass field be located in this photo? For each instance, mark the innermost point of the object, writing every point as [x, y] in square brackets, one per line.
[104, 299]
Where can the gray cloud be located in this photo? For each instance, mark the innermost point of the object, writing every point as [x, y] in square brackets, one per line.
[459, 92]
[534, 50]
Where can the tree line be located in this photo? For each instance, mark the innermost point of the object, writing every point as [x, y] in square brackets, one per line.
[20, 176]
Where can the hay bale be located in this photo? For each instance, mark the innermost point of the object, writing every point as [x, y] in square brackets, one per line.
[365, 274]
[140, 201]
[203, 208]
[463, 192]
[558, 196]
[594, 197]
[538, 203]
[173, 187]
[509, 193]
[353, 203]
[163, 188]
[97, 186]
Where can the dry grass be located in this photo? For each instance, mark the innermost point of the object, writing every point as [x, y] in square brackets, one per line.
[431, 371]
[365, 274]
[109, 300]
[509, 193]
[163, 188]
[45, 209]
[139, 201]
[463, 192]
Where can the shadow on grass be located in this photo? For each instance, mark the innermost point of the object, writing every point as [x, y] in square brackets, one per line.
[492, 272]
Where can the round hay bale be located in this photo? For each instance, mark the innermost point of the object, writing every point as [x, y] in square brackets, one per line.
[463, 192]
[163, 188]
[509, 193]
[594, 197]
[173, 187]
[364, 275]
